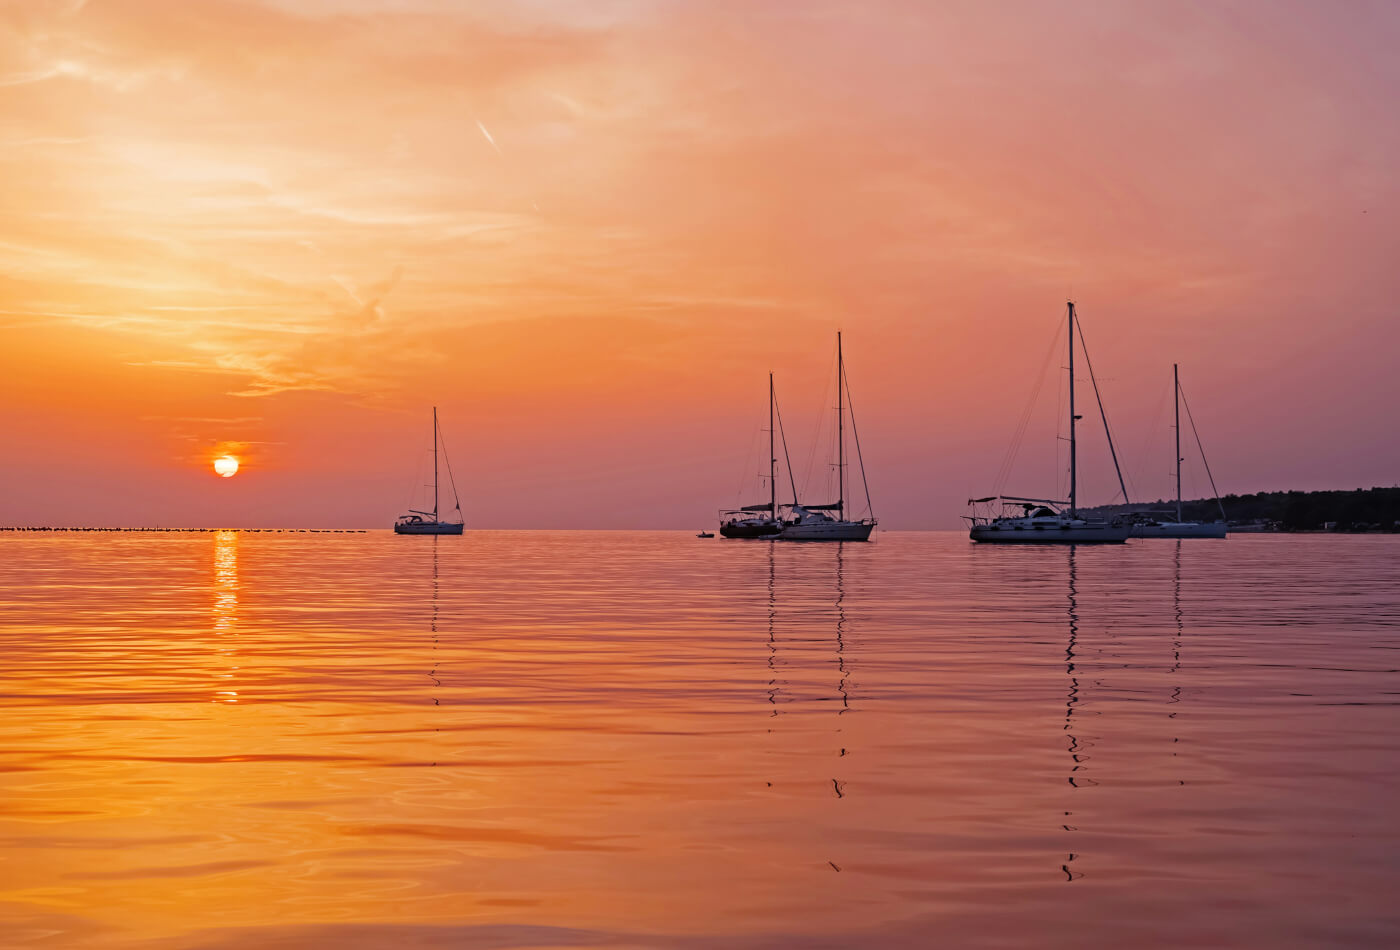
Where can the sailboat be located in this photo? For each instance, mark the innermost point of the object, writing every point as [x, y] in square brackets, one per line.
[812, 522]
[428, 522]
[1154, 528]
[1041, 521]
[759, 521]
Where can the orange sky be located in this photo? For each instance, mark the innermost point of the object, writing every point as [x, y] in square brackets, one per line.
[587, 231]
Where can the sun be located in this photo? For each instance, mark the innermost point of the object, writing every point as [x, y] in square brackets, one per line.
[226, 465]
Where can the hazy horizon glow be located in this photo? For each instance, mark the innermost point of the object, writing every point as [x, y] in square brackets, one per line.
[284, 231]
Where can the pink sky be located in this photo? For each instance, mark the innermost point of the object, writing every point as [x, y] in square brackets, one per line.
[587, 231]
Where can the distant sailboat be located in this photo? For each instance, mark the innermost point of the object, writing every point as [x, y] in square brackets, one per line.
[759, 521]
[812, 522]
[1049, 522]
[1180, 528]
[428, 522]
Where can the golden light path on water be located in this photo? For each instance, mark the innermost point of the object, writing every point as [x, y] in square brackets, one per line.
[541, 739]
[226, 610]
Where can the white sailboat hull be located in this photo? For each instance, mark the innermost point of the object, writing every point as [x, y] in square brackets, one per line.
[428, 527]
[828, 531]
[1063, 533]
[1180, 529]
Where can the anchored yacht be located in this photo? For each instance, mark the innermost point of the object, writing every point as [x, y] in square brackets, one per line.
[815, 522]
[1150, 527]
[428, 522]
[759, 521]
[1040, 521]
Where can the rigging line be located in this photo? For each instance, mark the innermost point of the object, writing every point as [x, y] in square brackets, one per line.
[456, 499]
[1145, 453]
[819, 438]
[418, 473]
[748, 458]
[777, 410]
[1106, 430]
[826, 429]
[841, 639]
[1018, 436]
[1202, 449]
[855, 434]
[1060, 477]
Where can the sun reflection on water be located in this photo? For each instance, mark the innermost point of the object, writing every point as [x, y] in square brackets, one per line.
[225, 613]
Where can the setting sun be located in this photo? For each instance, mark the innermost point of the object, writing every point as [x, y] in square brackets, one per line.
[226, 465]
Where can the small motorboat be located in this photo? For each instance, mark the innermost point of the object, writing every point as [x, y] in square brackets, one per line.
[705, 534]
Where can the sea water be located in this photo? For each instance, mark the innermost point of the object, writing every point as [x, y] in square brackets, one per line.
[562, 739]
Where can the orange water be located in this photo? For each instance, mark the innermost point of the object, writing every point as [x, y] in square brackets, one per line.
[534, 739]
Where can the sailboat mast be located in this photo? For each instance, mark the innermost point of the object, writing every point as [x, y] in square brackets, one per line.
[840, 436]
[1073, 466]
[1176, 406]
[772, 456]
[435, 472]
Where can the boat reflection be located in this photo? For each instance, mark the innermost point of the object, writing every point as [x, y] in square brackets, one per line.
[772, 632]
[1120, 670]
[1176, 641]
[1073, 699]
[433, 624]
[841, 684]
[809, 596]
[841, 632]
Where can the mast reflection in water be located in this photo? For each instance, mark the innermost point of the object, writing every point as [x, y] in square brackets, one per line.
[1076, 753]
[798, 674]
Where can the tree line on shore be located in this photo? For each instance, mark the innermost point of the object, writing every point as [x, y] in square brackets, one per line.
[1364, 509]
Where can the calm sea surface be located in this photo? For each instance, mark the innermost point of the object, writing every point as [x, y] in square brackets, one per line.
[572, 739]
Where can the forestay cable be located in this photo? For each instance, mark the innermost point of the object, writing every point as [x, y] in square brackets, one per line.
[1202, 449]
[1108, 433]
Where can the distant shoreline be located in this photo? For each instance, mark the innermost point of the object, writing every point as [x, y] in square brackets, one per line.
[1362, 511]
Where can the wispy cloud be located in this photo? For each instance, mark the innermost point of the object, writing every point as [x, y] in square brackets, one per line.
[487, 133]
